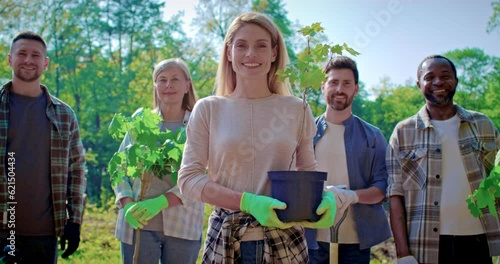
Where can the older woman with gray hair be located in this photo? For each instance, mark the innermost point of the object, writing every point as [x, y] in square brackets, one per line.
[170, 226]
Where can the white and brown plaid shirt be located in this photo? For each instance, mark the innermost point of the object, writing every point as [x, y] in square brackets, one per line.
[414, 162]
[287, 246]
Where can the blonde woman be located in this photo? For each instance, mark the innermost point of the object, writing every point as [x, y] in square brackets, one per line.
[250, 127]
[170, 225]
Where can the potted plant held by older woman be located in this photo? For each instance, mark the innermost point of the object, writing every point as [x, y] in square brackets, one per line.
[302, 190]
[150, 151]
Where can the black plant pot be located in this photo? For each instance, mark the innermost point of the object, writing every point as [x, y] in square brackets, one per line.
[302, 191]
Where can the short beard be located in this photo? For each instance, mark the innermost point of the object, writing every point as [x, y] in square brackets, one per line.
[445, 101]
[340, 107]
[28, 80]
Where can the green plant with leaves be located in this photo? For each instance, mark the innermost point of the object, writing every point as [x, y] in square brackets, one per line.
[151, 150]
[306, 73]
[487, 195]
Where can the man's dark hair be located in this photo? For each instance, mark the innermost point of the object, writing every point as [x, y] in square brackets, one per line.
[419, 70]
[342, 62]
[28, 35]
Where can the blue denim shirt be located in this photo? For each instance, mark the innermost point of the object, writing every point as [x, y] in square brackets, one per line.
[365, 147]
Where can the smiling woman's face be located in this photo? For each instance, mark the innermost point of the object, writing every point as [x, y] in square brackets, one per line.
[251, 52]
[171, 85]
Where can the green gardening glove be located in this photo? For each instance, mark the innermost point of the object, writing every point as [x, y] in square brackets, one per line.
[149, 208]
[262, 208]
[327, 209]
[129, 210]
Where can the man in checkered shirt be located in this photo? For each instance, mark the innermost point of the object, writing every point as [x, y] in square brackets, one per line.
[436, 158]
[42, 161]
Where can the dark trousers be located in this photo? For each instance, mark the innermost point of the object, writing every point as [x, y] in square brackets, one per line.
[464, 249]
[31, 249]
[348, 254]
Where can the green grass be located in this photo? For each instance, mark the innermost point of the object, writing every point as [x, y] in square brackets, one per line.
[98, 242]
[100, 246]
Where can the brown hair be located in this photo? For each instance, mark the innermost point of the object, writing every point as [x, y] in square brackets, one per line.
[342, 62]
[28, 35]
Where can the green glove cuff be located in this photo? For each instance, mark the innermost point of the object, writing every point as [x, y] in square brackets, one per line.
[245, 201]
[327, 209]
[259, 204]
[328, 204]
[127, 206]
[161, 201]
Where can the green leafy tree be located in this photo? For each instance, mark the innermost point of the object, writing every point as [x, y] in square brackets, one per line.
[101, 57]
[473, 65]
[15, 15]
[361, 104]
[306, 73]
[214, 16]
[491, 106]
[203, 70]
[202, 63]
[494, 21]
[6, 71]
[393, 104]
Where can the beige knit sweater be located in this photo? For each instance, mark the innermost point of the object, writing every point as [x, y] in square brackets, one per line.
[240, 140]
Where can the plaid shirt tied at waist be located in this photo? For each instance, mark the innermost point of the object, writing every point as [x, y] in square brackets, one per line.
[227, 228]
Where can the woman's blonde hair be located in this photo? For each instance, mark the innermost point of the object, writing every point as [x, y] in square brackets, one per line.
[225, 82]
[189, 99]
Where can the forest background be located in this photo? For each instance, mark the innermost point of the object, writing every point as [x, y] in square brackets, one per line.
[102, 53]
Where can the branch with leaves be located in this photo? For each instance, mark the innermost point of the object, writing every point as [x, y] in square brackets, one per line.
[487, 195]
[306, 72]
[150, 151]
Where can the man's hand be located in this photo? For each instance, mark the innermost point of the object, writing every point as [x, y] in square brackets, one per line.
[72, 236]
[147, 209]
[407, 260]
[262, 208]
[327, 209]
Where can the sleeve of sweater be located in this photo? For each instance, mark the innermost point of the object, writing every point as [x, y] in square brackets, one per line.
[306, 160]
[192, 175]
